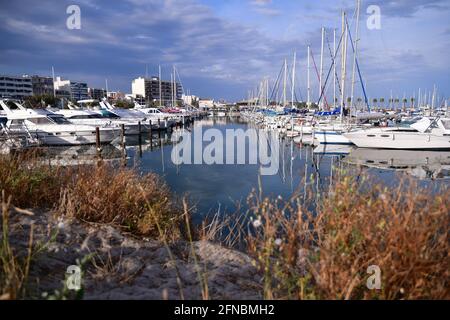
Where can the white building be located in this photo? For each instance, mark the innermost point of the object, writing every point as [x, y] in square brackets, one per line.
[189, 99]
[77, 90]
[206, 103]
[138, 87]
[15, 87]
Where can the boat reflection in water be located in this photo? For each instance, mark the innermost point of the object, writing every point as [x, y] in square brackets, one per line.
[420, 164]
[333, 149]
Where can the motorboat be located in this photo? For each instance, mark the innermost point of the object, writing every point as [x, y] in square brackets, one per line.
[48, 128]
[426, 134]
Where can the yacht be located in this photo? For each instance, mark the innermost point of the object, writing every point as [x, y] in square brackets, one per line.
[164, 119]
[426, 134]
[100, 118]
[48, 128]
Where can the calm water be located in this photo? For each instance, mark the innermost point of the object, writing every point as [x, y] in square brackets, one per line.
[218, 187]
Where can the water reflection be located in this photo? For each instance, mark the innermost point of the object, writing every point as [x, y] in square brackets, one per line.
[420, 164]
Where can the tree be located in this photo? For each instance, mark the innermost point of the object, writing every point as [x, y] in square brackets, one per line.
[124, 104]
[382, 102]
[404, 100]
[40, 101]
[374, 102]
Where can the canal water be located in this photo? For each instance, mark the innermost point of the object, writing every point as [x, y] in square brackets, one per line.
[223, 187]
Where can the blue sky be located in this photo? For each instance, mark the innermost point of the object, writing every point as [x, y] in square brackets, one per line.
[222, 49]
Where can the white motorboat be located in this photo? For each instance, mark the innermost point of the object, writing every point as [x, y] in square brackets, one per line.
[164, 119]
[48, 128]
[426, 134]
[100, 118]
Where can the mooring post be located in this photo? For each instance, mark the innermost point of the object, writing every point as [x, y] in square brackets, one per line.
[150, 134]
[140, 139]
[98, 143]
[122, 142]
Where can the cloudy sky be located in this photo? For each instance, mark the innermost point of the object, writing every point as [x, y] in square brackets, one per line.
[222, 49]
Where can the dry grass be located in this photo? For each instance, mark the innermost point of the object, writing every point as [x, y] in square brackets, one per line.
[14, 267]
[30, 183]
[326, 255]
[123, 198]
[99, 193]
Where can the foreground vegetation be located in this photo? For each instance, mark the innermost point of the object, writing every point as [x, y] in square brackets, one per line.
[99, 193]
[328, 252]
[357, 228]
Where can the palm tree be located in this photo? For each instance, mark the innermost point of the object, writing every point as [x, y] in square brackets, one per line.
[412, 101]
[397, 101]
[375, 102]
[382, 102]
[404, 103]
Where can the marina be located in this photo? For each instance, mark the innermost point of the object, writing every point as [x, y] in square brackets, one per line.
[224, 150]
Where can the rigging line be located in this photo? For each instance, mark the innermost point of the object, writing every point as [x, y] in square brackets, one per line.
[295, 91]
[329, 70]
[359, 71]
[318, 77]
[333, 59]
[276, 85]
[179, 78]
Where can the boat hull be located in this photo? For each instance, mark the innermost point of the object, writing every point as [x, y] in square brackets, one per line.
[399, 140]
[331, 137]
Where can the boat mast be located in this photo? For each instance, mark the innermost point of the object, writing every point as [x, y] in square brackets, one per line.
[53, 76]
[308, 102]
[173, 80]
[160, 89]
[321, 67]
[355, 53]
[334, 67]
[418, 99]
[344, 64]
[432, 99]
[293, 79]
[284, 83]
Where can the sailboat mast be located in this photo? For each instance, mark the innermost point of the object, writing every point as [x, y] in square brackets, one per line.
[160, 89]
[344, 64]
[334, 67]
[321, 66]
[355, 53]
[284, 83]
[308, 102]
[53, 76]
[293, 79]
[418, 99]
